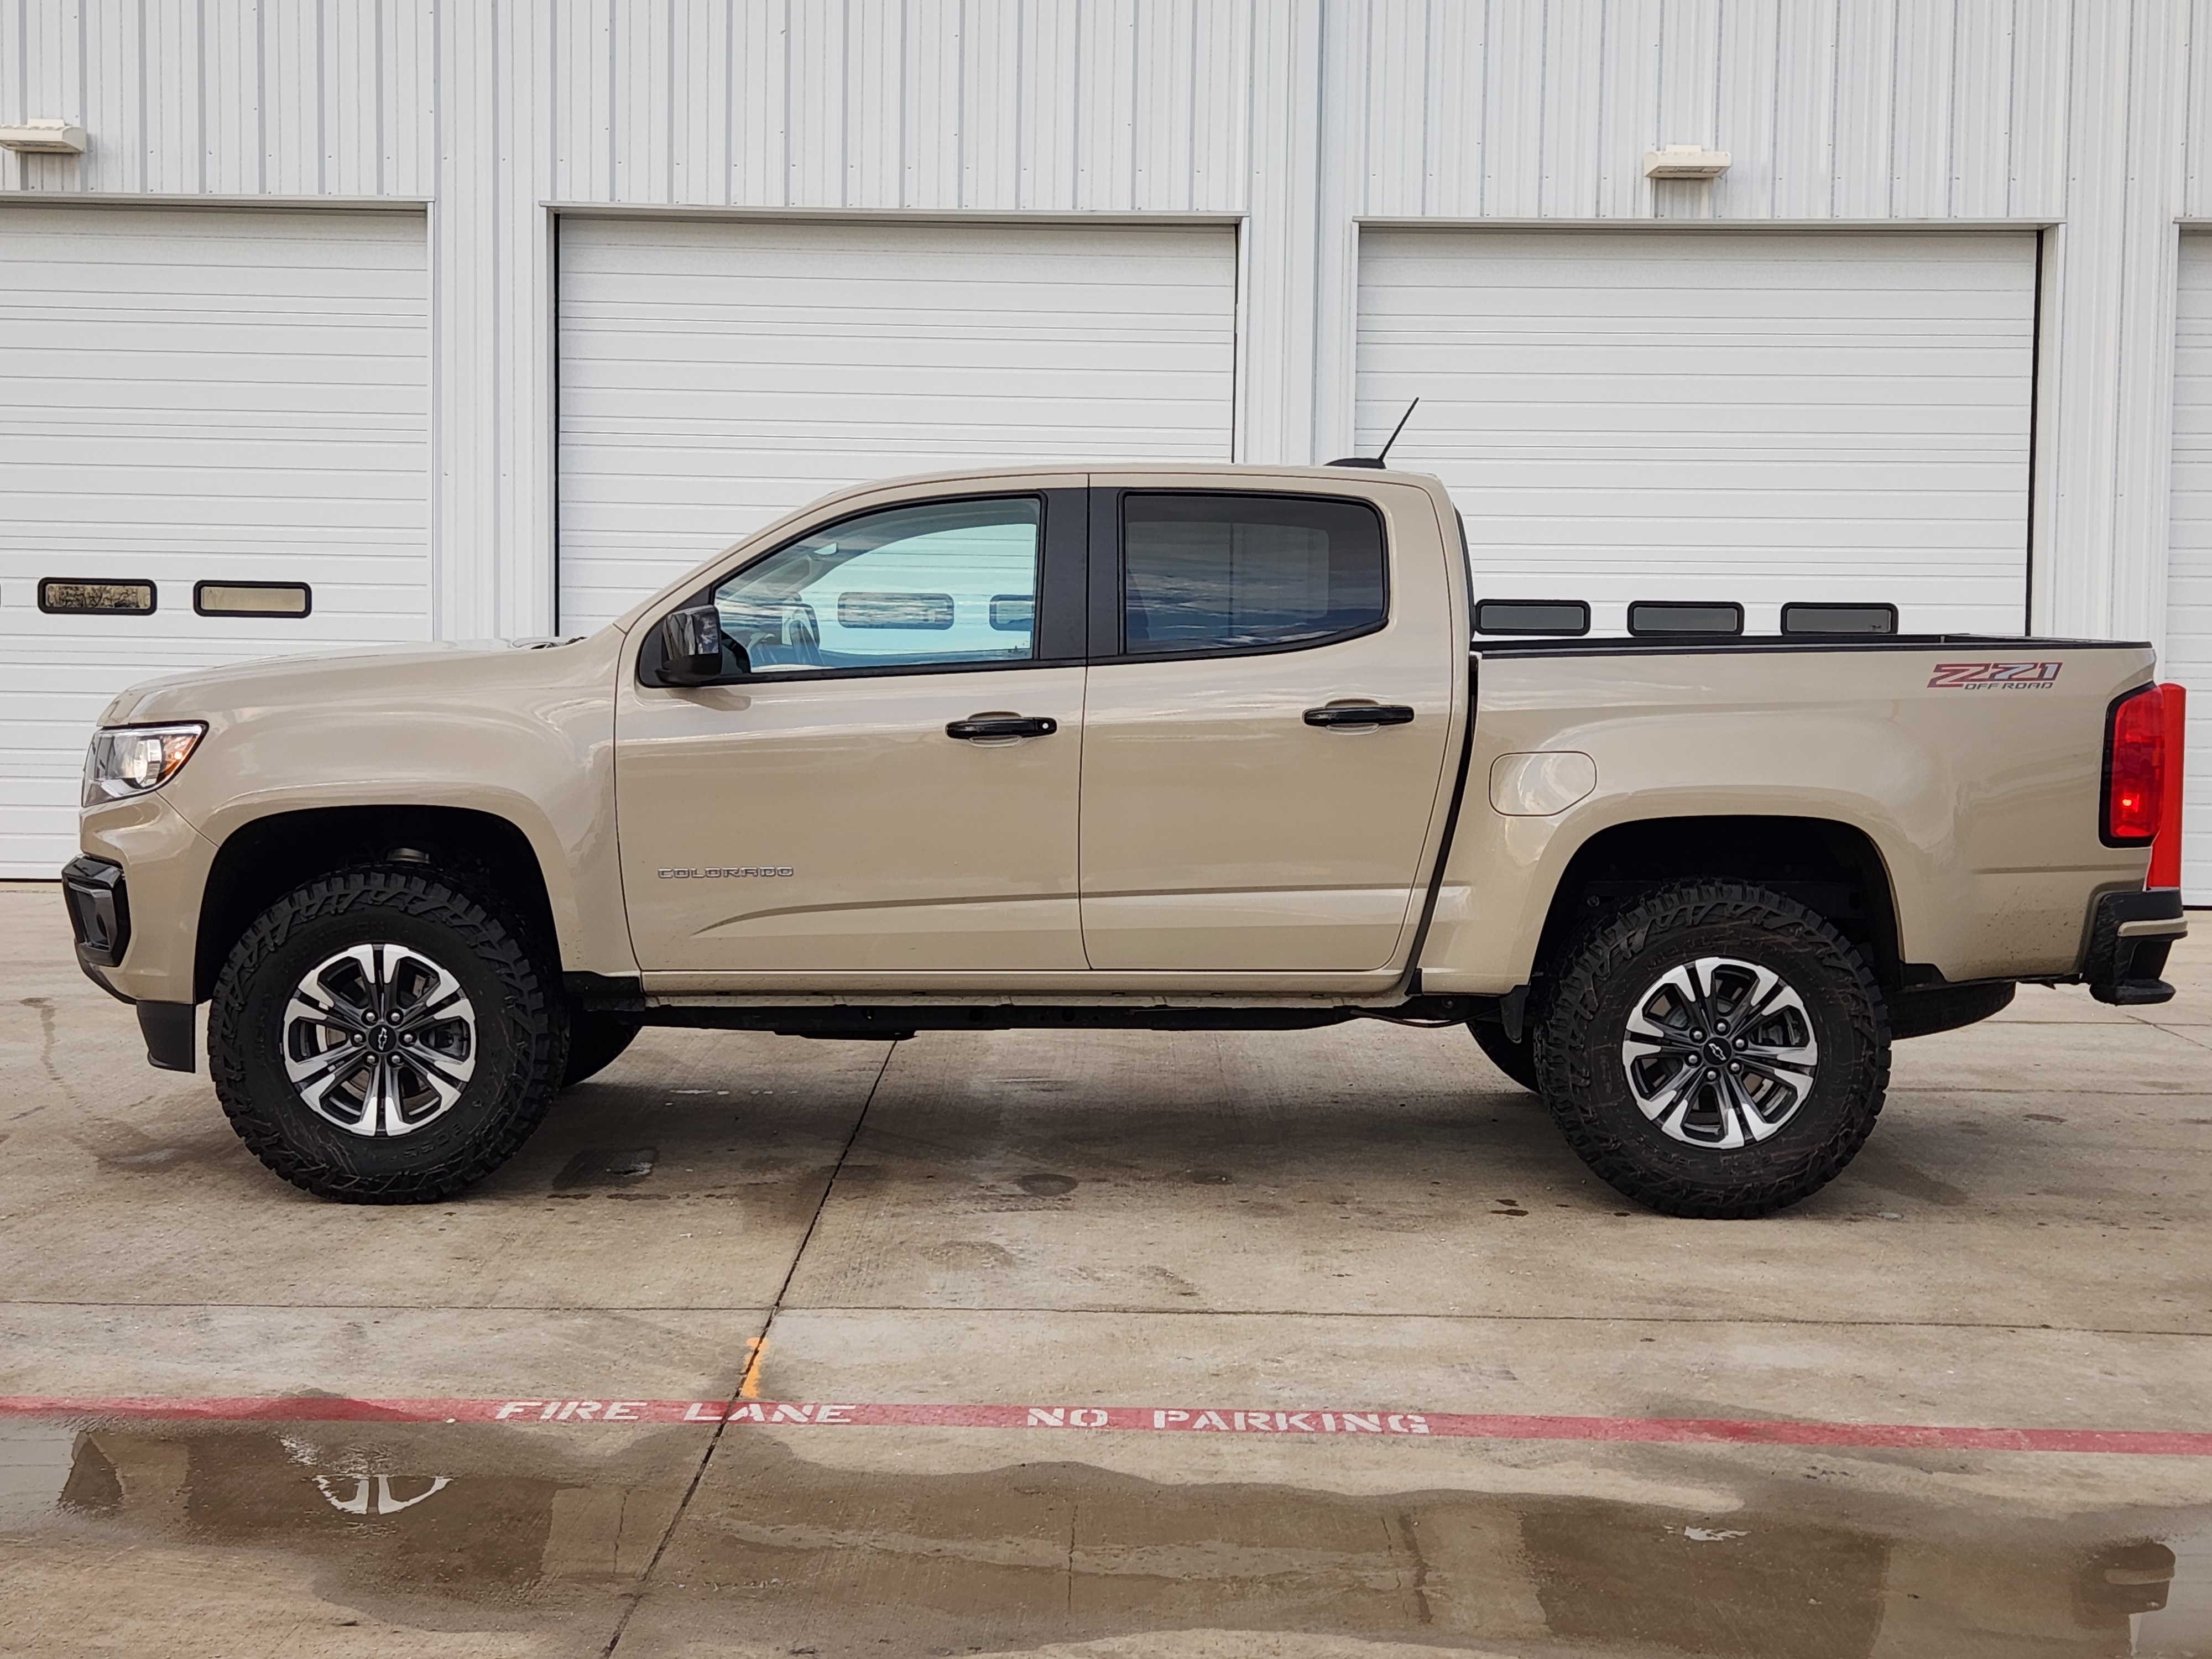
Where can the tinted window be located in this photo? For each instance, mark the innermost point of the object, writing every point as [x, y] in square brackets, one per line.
[1684, 616]
[253, 598]
[939, 582]
[62, 596]
[1839, 619]
[1532, 617]
[1229, 572]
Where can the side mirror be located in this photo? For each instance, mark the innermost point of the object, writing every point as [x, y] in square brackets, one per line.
[691, 646]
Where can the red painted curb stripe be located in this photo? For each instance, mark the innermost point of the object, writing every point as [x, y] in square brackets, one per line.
[1150, 1420]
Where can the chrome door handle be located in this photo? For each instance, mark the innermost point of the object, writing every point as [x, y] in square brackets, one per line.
[1003, 725]
[1361, 714]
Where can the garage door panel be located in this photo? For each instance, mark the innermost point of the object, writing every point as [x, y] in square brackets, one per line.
[1681, 555]
[344, 611]
[1758, 417]
[283, 347]
[982, 365]
[1731, 399]
[714, 376]
[1564, 313]
[237, 493]
[1837, 270]
[262, 413]
[1804, 492]
[787, 261]
[158, 296]
[1163, 306]
[1541, 410]
[954, 398]
[193, 396]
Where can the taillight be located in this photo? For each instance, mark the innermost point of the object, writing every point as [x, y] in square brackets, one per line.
[2134, 768]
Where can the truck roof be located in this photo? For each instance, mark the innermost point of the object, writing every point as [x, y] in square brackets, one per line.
[1319, 474]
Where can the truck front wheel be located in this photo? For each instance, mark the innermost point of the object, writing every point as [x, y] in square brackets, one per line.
[378, 1038]
[1716, 1050]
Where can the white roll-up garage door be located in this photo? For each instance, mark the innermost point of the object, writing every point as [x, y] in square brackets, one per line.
[716, 374]
[187, 397]
[1754, 417]
[2189, 588]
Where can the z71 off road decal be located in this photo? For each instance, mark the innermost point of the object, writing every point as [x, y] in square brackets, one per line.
[1994, 676]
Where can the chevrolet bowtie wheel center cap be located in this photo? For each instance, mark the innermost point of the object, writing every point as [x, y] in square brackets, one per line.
[379, 1039]
[1719, 1053]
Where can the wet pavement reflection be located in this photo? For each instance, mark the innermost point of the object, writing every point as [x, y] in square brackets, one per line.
[462, 1527]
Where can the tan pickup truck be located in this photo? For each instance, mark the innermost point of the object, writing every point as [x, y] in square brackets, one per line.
[1176, 748]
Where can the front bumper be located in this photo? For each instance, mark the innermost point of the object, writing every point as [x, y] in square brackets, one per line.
[2129, 936]
[99, 915]
[98, 904]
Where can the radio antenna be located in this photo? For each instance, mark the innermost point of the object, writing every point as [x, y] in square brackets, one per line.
[1396, 429]
[1377, 460]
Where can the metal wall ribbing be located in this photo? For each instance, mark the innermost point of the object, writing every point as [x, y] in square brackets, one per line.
[1303, 116]
[217, 97]
[1832, 109]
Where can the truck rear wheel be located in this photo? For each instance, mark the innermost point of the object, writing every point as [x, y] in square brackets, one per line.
[1716, 1050]
[379, 1038]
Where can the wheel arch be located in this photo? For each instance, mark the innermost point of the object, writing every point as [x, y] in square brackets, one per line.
[261, 860]
[1833, 868]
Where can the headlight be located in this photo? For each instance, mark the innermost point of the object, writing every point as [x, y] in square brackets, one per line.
[130, 760]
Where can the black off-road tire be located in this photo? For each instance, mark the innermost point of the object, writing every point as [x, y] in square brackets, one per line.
[595, 1042]
[1611, 967]
[1516, 1060]
[521, 1040]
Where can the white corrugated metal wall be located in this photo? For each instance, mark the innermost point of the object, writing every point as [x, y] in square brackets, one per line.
[2188, 657]
[1301, 115]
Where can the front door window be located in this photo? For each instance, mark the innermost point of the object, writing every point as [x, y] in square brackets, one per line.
[937, 584]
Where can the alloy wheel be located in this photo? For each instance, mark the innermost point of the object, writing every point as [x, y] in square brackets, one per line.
[379, 1039]
[1720, 1053]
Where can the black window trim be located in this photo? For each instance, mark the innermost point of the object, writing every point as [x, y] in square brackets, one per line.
[306, 590]
[153, 592]
[1056, 642]
[1108, 551]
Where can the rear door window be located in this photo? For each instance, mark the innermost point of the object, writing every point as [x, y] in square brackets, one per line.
[1204, 572]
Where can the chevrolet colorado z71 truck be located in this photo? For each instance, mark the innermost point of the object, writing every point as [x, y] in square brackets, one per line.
[1213, 748]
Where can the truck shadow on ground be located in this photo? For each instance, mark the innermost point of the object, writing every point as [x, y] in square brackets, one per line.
[1037, 1144]
[1047, 1142]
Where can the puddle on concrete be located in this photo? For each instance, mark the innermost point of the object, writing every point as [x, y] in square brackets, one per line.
[453, 1514]
[468, 1526]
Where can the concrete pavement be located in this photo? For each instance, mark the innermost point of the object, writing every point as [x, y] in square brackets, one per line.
[1367, 1219]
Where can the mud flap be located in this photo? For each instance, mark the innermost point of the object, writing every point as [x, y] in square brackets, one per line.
[171, 1041]
[2129, 936]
